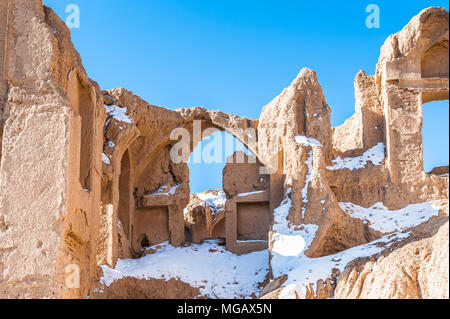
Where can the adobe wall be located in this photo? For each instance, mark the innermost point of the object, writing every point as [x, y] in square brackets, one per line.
[412, 70]
[248, 207]
[243, 174]
[366, 127]
[128, 287]
[40, 171]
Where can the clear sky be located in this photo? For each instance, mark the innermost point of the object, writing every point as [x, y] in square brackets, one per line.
[237, 55]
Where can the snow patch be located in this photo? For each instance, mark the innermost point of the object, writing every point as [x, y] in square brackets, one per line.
[118, 113]
[307, 141]
[105, 159]
[381, 219]
[289, 240]
[216, 202]
[374, 155]
[166, 190]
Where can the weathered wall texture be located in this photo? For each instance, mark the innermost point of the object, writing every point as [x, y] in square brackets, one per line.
[88, 176]
[49, 219]
[249, 205]
[244, 174]
[147, 289]
[404, 84]
[365, 128]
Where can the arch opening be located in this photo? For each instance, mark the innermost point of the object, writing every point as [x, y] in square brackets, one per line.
[208, 159]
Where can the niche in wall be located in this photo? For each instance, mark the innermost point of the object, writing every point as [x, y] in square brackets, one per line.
[253, 221]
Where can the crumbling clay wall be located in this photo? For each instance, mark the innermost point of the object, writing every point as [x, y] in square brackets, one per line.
[247, 184]
[244, 174]
[412, 70]
[365, 128]
[51, 104]
[146, 289]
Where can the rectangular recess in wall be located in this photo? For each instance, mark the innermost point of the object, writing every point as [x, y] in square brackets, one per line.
[152, 223]
[253, 221]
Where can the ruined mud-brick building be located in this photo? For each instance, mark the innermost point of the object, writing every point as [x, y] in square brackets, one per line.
[87, 179]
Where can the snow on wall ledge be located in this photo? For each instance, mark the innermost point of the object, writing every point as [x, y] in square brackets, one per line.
[374, 155]
[307, 141]
[166, 190]
[208, 266]
[118, 113]
[216, 202]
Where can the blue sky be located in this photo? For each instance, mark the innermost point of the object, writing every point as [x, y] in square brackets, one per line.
[237, 56]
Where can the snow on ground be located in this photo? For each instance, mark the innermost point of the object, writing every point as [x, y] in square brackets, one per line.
[119, 113]
[290, 242]
[384, 220]
[374, 155]
[221, 274]
[216, 202]
[209, 267]
[166, 190]
[302, 270]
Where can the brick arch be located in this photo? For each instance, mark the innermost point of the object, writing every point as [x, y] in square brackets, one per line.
[218, 122]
